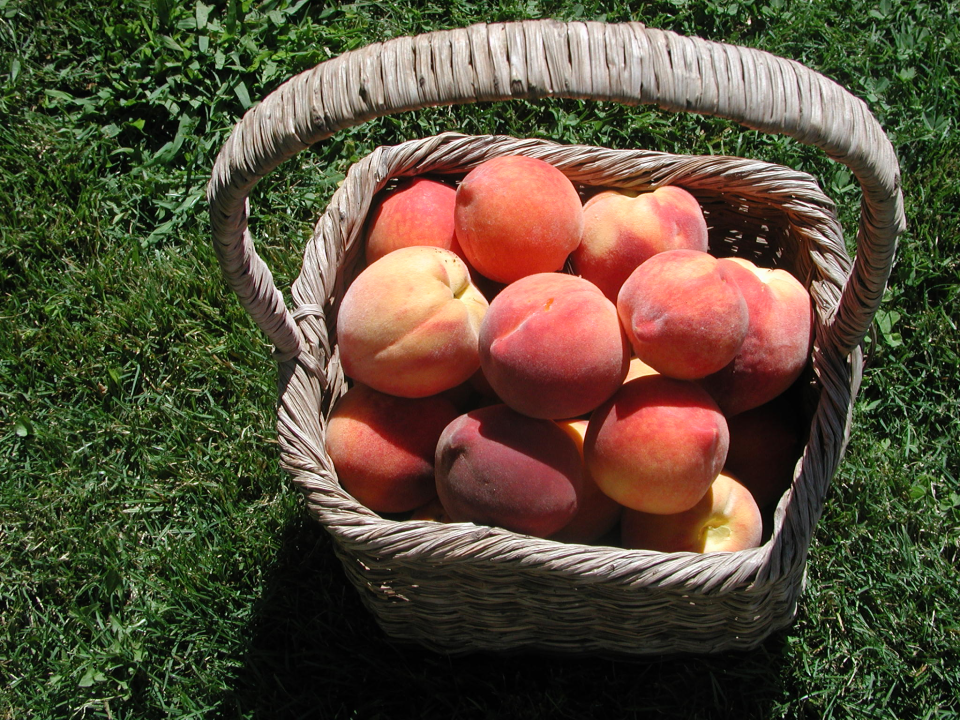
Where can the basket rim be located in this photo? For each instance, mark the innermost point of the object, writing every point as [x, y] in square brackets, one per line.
[382, 537]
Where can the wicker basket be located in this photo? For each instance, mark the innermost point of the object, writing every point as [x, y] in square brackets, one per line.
[460, 587]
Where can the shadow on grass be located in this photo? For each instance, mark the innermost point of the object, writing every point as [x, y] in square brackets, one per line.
[314, 651]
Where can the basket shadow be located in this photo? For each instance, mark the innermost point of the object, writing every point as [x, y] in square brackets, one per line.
[313, 650]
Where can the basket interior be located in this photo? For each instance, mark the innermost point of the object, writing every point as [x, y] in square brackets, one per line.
[410, 572]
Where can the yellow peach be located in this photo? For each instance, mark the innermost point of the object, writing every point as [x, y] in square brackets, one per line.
[726, 519]
[409, 323]
[638, 368]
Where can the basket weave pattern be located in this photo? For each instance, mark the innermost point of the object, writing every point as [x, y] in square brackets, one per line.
[460, 587]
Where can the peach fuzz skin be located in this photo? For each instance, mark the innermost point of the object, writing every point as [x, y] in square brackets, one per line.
[725, 520]
[551, 346]
[409, 324]
[623, 229]
[778, 343]
[418, 211]
[656, 445]
[516, 216]
[683, 315]
[597, 514]
[497, 467]
[383, 447]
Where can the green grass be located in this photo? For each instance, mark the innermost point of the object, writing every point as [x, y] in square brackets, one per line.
[156, 563]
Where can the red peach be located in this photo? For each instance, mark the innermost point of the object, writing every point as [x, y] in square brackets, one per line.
[623, 229]
[726, 519]
[778, 342]
[418, 211]
[684, 317]
[409, 323]
[382, 447]
[551, 346]
[498, 467]
[516, 216]
[657, 444]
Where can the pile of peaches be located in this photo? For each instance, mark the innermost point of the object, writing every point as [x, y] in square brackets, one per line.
[566, 363]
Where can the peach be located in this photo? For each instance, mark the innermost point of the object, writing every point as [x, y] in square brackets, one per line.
[409, 323]
[498, 467]
[726, 519]
[657, 444]
[778, 341]
[418, 211]
[516, 216]
[383, 446]
[765, 445]
[551, 346]
[683, 315]
[622, 229]
[597, 514]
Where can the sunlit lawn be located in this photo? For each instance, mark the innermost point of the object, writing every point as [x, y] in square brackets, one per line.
[157, 562]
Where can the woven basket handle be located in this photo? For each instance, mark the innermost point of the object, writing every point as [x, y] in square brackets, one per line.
[625, 63]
